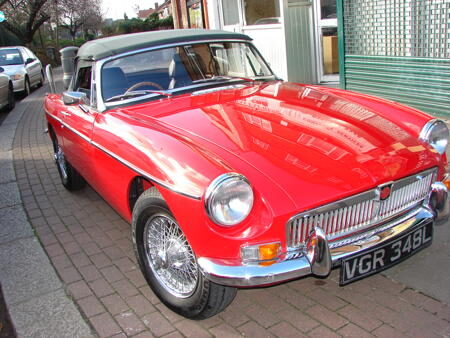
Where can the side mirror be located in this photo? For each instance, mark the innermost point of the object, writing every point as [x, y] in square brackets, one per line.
[2, 69]
[70, 98]
[51, 81]
[29, 60]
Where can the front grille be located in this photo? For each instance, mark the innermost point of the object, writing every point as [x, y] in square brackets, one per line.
[361, 211]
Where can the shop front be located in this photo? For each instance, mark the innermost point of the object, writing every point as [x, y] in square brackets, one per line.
[297, 37]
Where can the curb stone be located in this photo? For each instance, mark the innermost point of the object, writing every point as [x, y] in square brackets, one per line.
[35, 296]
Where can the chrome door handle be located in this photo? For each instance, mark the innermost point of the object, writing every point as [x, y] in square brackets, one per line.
[65, 113]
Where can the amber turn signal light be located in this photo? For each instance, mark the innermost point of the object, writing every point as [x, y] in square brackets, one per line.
[446, 181]
[263, 254]
[269, 251]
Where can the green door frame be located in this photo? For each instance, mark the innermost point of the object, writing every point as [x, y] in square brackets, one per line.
[341, 42]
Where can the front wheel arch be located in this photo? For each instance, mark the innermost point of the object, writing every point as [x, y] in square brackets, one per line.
[137, 187]
[206, 298]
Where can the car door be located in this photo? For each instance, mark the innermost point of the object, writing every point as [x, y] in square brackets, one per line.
[78, 120]
[33, 67]
[37, 67]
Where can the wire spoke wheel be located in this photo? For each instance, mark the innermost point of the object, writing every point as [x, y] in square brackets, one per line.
[61, 162]
[169, 263]
[170, 256]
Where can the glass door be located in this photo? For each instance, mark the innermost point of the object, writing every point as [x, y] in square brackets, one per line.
[327, 43]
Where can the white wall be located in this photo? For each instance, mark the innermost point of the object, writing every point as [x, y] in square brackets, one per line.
[269, 39]
[213, 14]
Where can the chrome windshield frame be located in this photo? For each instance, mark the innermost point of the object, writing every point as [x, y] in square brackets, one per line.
[102, 105]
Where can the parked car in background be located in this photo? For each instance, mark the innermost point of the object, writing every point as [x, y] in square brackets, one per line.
[232, 178]
[23, 67]
[6, 91]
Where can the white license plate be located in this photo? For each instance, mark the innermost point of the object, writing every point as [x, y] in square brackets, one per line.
[386, 255]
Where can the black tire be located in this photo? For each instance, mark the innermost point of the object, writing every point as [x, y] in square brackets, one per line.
[70, 178]
[206, 298]
[27, 90]
[11, 98]
[41, 81]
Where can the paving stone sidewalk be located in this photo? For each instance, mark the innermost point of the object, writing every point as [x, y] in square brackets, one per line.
[90, 248]
[36, 298]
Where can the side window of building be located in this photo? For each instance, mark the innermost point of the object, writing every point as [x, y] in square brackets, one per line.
[195, 13]
[262, 12]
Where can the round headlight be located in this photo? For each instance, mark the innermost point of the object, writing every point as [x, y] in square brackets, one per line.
[17, 76]
[435, 133]
[229, 199]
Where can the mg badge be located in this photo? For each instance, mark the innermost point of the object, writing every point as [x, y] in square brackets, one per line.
[385, 192]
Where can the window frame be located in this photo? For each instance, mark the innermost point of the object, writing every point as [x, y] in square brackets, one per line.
[102, 106]
[75, 78]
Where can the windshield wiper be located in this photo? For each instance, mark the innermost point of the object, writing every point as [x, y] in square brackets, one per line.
[224, 78]
[135, 93]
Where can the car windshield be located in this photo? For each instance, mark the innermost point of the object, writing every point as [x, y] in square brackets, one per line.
[10, 57]
[163, 71]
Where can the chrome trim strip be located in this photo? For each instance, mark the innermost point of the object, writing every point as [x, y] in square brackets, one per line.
[216, 89]
[124, 162]
[390, 231]
[286, 268]
[84, 137]
[253, 275]
[143, 172]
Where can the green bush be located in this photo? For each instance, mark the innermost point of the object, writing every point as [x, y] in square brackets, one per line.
[65, 43]
[126, 26]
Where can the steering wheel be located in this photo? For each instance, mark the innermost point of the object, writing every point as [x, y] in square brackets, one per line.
[144, 83]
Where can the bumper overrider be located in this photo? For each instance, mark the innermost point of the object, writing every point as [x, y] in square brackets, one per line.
[318, 257]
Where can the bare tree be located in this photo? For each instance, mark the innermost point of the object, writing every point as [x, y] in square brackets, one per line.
[78, 15]
[24, 17]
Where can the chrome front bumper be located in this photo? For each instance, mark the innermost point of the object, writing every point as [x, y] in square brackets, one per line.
[319, 256]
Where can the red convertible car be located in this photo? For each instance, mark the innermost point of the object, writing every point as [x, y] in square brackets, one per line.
[233, 178]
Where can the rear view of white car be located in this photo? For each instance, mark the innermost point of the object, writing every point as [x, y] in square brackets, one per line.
[23, 67]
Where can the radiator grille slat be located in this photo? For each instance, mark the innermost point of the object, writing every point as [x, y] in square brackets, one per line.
[365, 210]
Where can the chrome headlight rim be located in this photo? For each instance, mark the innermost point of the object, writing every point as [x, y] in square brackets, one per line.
[212, 190]
[428, 129]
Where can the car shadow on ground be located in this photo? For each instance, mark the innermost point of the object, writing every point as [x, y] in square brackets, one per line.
[18, 97]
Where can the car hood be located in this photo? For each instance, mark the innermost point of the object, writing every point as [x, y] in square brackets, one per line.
[13, 69]
[315, 145]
